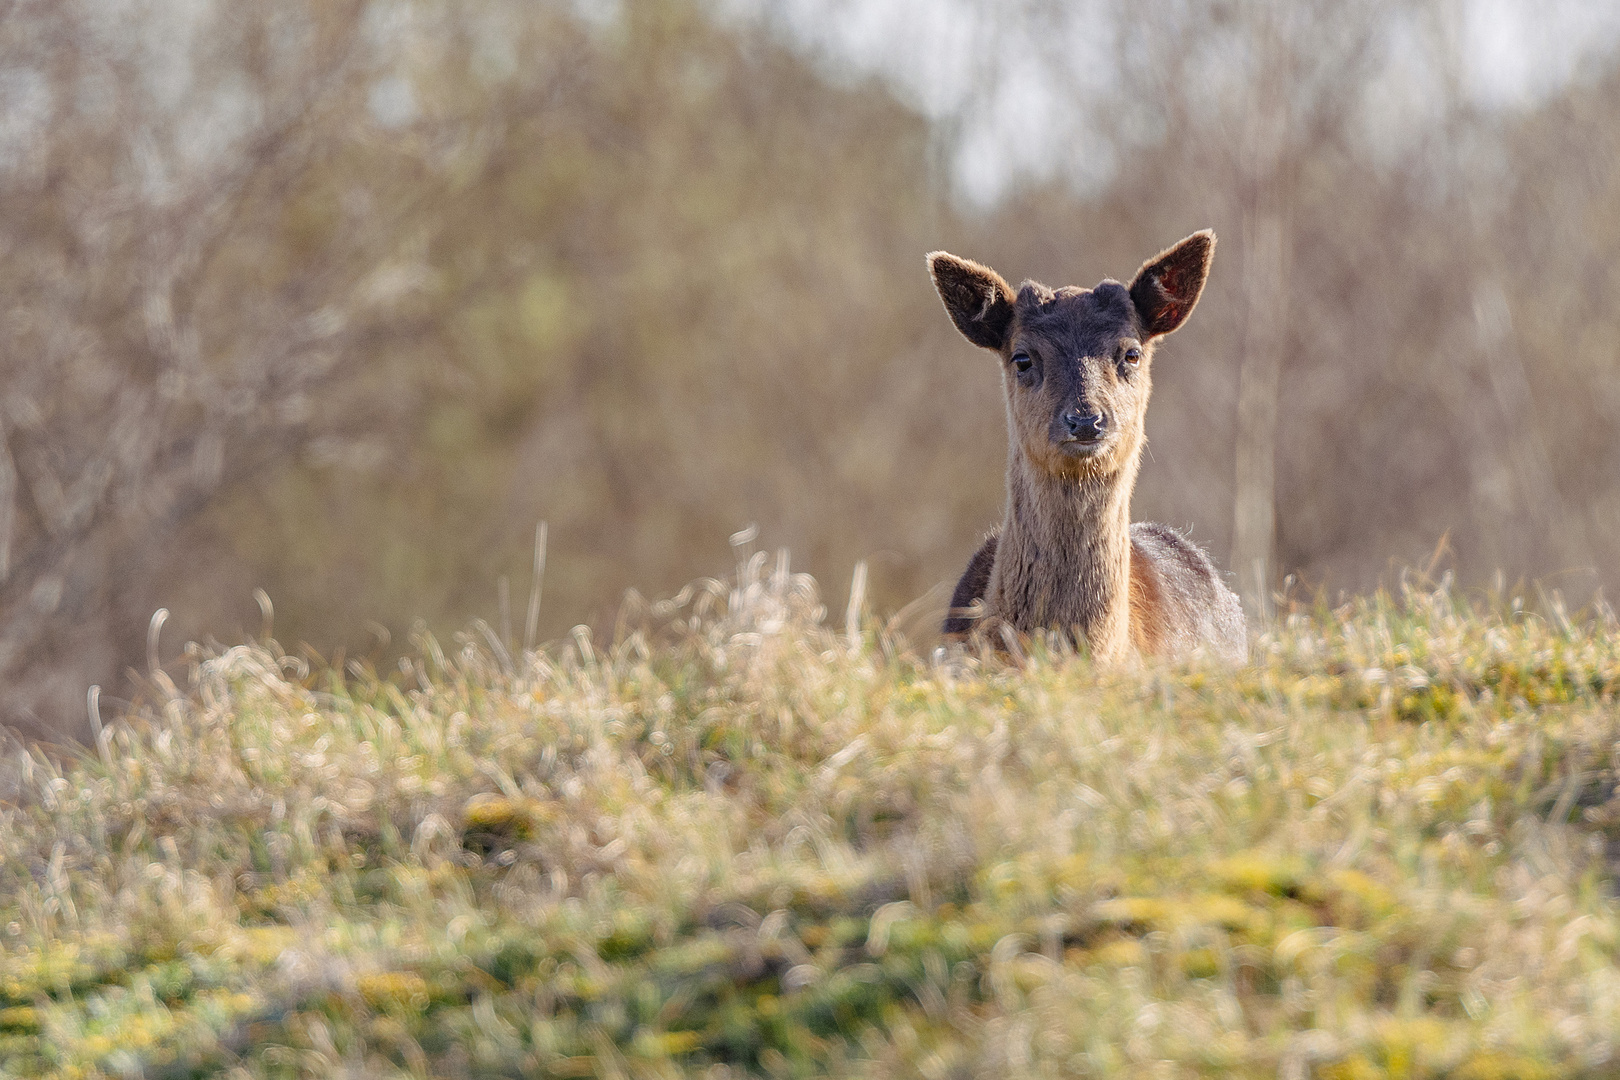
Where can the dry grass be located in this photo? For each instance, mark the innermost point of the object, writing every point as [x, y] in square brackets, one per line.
[738, 842]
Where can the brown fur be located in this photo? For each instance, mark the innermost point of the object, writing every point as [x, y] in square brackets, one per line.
[1076, 367]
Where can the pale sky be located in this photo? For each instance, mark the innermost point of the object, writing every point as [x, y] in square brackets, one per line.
[1014, 85]
[1006, 76]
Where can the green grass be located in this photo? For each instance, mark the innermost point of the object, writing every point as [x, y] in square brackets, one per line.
[740, 843]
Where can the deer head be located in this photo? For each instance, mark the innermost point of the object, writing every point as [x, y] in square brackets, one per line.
[1076, 363]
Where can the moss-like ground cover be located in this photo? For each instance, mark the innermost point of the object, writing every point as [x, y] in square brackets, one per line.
[738, 843]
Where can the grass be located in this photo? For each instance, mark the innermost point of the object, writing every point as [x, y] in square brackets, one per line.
[737, 842]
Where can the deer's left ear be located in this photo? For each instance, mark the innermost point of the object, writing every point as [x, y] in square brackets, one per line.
[979, 300]
[1168, 285]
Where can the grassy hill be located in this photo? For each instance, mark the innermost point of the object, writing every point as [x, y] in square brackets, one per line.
[738, 842]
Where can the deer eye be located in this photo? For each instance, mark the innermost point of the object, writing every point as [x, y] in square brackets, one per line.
[1133, 356]
[1022, 362]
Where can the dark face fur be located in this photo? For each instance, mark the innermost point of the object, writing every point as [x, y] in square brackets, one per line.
[1076, 371]
[1076, 361]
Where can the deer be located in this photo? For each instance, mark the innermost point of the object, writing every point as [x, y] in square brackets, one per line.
[1076, 368]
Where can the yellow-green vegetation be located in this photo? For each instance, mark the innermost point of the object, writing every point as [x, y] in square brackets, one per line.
[736, 842]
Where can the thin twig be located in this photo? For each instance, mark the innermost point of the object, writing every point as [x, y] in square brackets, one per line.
[531, 624]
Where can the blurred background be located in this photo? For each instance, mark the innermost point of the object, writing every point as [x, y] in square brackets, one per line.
[339, 299]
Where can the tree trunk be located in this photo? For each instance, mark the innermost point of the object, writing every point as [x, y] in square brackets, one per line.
[1266, 253]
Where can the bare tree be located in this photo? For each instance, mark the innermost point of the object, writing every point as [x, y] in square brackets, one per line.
[185, 285]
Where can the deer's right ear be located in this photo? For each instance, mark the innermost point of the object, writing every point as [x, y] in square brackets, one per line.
[1167, 287]
[980, 303]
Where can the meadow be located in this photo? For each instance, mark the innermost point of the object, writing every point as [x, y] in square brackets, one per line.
[742, 838]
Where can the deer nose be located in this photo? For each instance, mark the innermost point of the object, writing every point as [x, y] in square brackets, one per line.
[1086, 428]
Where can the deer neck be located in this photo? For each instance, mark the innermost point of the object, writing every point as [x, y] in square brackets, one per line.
[1064, 560]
